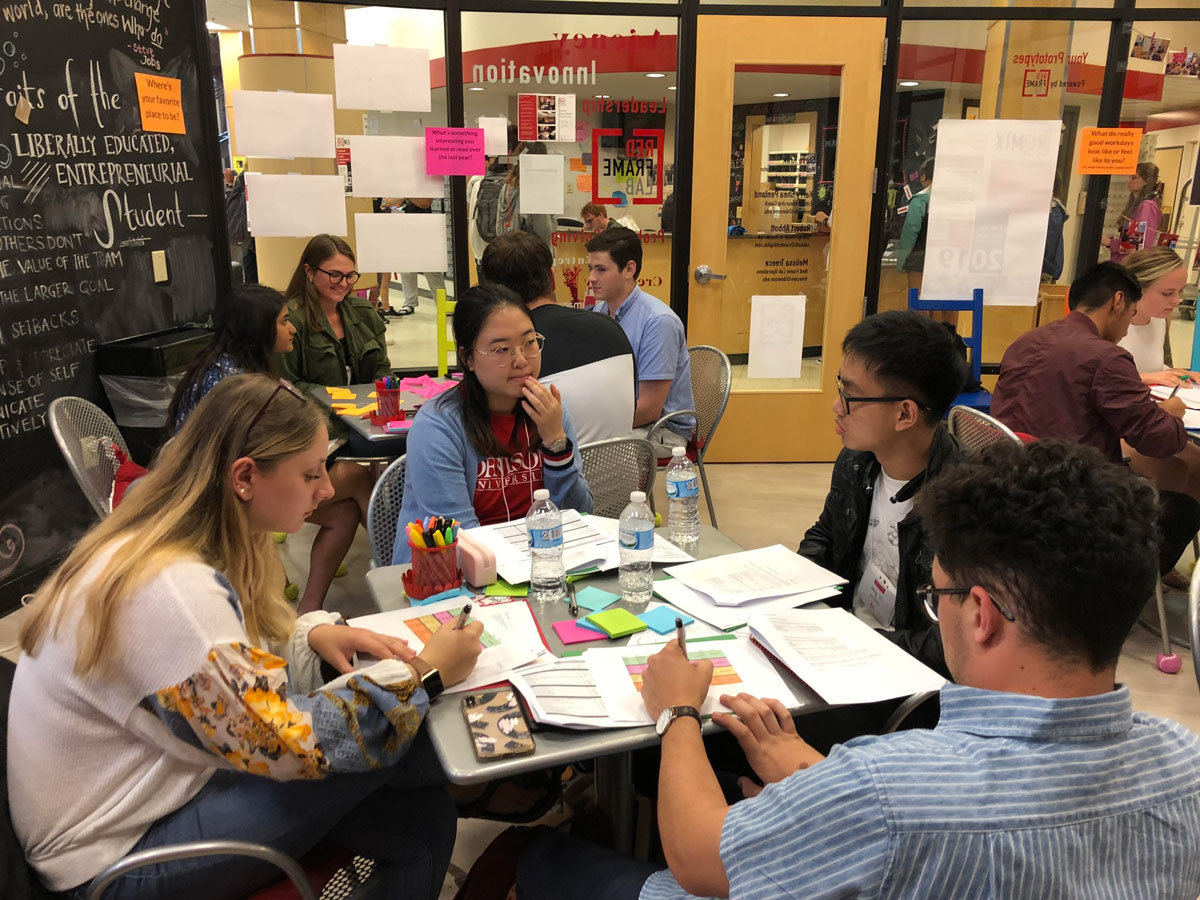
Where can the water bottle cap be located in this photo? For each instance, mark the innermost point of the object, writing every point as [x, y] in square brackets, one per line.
[541, 494]
[678, 451]
[637, 497]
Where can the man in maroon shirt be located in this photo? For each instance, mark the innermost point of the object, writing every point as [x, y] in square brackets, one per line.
[1070, 380]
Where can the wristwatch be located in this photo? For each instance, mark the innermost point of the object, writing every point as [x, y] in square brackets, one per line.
[558, 446]
[431, 678]
[671, 713]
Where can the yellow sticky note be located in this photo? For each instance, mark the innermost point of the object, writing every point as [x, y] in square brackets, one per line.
[161, 102]
[372, 395]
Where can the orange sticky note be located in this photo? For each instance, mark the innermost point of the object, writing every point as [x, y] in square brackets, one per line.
[584, 183]
[161, 102]
[1109, 151]
[577, 164]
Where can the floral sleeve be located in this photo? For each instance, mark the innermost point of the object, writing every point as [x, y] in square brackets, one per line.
[238, 707]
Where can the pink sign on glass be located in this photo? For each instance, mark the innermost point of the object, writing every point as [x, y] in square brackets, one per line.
[454, 151]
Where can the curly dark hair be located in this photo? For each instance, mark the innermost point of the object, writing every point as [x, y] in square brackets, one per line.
[1067, 539]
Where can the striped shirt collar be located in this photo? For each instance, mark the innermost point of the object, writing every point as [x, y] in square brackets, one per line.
[998, 714]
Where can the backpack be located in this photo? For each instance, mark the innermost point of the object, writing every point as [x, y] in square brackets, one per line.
[487, 203]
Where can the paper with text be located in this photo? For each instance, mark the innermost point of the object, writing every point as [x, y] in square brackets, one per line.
[401, 243]
[283, 124]
[563, 692]
[541, 183]
[583, 546]
[728, 618]
[738, 578]
[776, 336]
[295, 205]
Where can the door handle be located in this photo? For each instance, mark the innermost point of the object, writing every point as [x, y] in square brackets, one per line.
[704, 275]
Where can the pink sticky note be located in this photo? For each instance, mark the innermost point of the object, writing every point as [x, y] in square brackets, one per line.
[569, 632]
[454, 151]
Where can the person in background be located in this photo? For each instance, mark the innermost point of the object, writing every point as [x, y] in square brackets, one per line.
[1052, 259]
[587, 357]
[1162, 275]
[664, 372]
[1137, 226]
[595, 218]
[1038, 777]
[910, 254]
[508, 204]
[475, 238]
[167, 693]
[383, 280]
[477, 453]
[252, 327]
[1070, 380]
[408, 280]
[241, 241]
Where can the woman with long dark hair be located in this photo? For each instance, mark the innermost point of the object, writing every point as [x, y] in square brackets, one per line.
[477, 453]
[1137, 228]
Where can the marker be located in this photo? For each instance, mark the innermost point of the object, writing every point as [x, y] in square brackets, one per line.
[679, 635]
[438, 540]
[462, 618]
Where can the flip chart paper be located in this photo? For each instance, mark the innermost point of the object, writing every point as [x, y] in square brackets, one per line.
[541, 183]
[454, 151]
[393, 79]
[388, 243]
[284, 125]
[386, 166]
[495, 134]
[295, 205]
[776, 336]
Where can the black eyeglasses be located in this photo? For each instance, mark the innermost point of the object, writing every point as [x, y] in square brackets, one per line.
[335, 278]
[847, 399]
[284, 385]
[929, 596]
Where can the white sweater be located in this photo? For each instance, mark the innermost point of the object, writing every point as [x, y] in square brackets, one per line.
[93, 762]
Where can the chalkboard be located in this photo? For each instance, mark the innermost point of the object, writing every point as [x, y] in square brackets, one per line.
[86, 196]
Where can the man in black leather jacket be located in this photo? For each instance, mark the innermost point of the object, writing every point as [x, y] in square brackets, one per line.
[900, 374]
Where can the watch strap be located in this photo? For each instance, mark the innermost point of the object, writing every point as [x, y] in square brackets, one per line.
[679, 712]
[431, 678]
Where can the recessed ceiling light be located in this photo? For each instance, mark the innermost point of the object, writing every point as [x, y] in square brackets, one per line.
[214, 26]
[779, 95]
[909, 83]
[475, 89]
[601, 96]
[671, 87]
[655, 75]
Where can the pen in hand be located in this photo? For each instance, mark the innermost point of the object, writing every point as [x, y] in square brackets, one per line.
[1176, 390]
[679, 635]
[461, 622]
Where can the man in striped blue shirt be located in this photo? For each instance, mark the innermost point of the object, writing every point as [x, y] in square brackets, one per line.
[1039, 781]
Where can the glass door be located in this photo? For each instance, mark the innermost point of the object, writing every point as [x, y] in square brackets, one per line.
[784, 156]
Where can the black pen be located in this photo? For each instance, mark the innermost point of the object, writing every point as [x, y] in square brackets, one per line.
[1176, 391]
[572, 606]
[679, 635]
[462, 617]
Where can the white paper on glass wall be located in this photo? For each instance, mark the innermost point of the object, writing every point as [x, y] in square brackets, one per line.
[295, 205]
[495, 135]
[391, 79]
[387, 166]
[283, 125]
[541, 183]
[400, 243]
[776, 336]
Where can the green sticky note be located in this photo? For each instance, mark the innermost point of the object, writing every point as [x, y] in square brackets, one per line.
[617, 623]
[502, 588]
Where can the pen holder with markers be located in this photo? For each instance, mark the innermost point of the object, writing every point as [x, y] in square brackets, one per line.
[387, 401]
[434, 568]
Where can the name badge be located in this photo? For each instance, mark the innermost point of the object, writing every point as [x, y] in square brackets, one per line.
[880, 599]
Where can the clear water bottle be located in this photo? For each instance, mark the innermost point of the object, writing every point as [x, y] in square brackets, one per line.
[547, 578]
[683, 494]
[637, 546]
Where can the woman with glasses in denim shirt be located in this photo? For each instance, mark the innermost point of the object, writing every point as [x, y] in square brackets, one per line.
[477, 453]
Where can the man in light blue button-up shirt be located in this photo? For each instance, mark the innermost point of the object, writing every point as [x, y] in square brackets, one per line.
[1039, 781]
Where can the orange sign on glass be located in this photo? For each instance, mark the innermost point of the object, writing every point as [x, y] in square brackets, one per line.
[1109, 151]
[161, 103]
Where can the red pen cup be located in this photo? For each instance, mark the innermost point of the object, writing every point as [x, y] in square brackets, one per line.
[433, 570]
[387, 403]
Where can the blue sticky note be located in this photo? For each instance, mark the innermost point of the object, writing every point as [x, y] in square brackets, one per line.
[662, 619]
[584, 623]
[595, 599]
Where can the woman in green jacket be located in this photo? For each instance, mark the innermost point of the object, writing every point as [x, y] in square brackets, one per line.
[339, 340]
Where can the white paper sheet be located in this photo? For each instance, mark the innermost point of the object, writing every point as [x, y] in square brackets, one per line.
[400, 243]
[509, 629]
[1189, 395]
[563, 692]
[989, 208]
[727, 618]
[283, 125]
[495, 135]
[776, 336]
[840, 657]
[742, 667]
[386, 166]
[664, 551]
[541, 183]
[295, 205]
[392, 79]
[583, 546]
[737, 578]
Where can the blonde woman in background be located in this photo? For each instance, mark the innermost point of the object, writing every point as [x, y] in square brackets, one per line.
[1162, 275]
[167, 693]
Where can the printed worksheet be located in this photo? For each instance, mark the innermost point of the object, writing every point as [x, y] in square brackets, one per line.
[738, 578]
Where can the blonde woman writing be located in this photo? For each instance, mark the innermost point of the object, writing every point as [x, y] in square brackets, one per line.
[168, 693]
[1162, 275]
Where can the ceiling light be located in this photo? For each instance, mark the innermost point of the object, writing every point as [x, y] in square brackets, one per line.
[601, 96]
[214, 26]
[475, 89]
[909, 83]
[779, 95]
[670, 87]
[655, 75]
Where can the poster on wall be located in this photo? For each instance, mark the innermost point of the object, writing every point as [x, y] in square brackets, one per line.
[341, 145]
[989, 208]
[545, 117]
